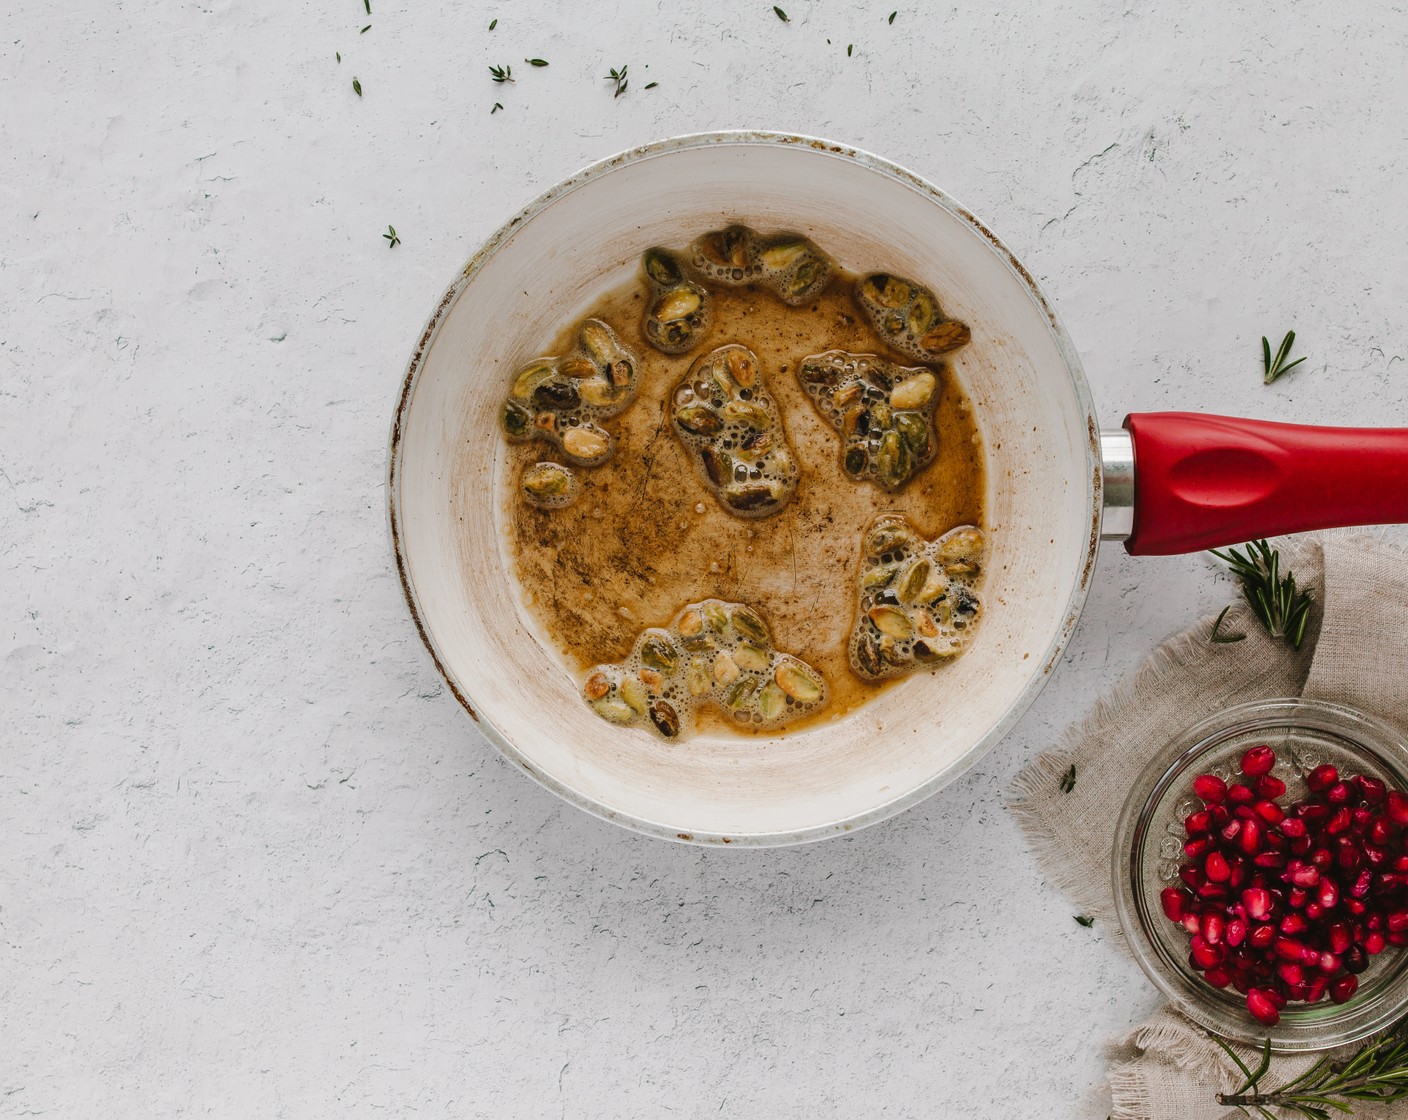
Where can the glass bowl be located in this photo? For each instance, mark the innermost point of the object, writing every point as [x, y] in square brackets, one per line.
[1148, 851]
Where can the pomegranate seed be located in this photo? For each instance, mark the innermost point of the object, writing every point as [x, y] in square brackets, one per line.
[1293, 827]
[1240, 795]
[1213, 926]
[1269, 811]
[1258, 761]
[1380, 832]
[1321, 778]
[1315, 990]
[1261, 936]
[1295, 897]
[1398, 921]
[1362, 884]
[1269, 859]
[1306, 875]
[1374, 921]
[1355, 959]
[1338, 937]
[1270, 786]
[1401, 864]
[1213, 892]
[1400, 938]
[1293, 924]
[1371, 789]
[1191, 921]
[1374, 943]
[1174, 900]
[1232, 830]
[1354, 906]
[1289, 949]
[1338, 794]
[1387, 882]
[1195, 824]
[1210, 788]
[1257, 902]
[1339, 822]
[1218, 815]
[1344, 988]
[1218, 871]
[1347, 853]
[1198, 846]
[1322, 858]
[1375, 857]
[1236, 932]
[1218, 977]
[1261, 1007]
[1207, 955]
[1311, 812]
[1329, 963]
[1329, 895]
[1314, 911]
[1275, 997]
[1291, 972]
[1398, 808]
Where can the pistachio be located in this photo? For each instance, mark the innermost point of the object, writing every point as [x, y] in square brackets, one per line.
[699, 419]
[923, 312]
[715, 616]
[965, 543]
[599, 343]
[586, 444]
[856, 461]
[889, 536]
[726, 669]
[578, 367]
[665, 719]
[651, 679]
[960, 567]
[946, 336]
[596, 391]
[556, 393]
[879, 576]
[752, 658]
[912, 583]
[550, 485]
[597, 686]
[797, 681]
[892, 461]
[619, 372]
[846, 395]
[887, 291]
[516, 421]
[696, 676]
[690, 624]
[530, 379]
[855, 422]
[726, 248]
[633, 693]
[718, 465]
[741, 692]
[661, 266]
[913, 392]
[805, 281]
[747, 623]
[677, 303]
[658, 652]
[772, 702]
[700, 643]
[778, 255]
[545, 422]
[914, 430]
[891, 621]
[880, 416]
[742, 368]
[868, 655]
[755, 444]
[614, 710]
[746, 412]
[924, 624]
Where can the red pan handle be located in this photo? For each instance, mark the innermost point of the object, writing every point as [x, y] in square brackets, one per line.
[1206, 481]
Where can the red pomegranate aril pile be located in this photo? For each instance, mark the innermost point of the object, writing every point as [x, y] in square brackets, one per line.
[1289, 902]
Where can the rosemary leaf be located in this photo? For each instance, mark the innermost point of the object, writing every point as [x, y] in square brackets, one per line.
[892, 17]
[1220, 638]
[849, 48]
[493, 23]
[365, 30]
[339, 56]
[368, 5]
[781, 14]
[651, 85]
[1068, 779]
[1084, 920]
[356, 87]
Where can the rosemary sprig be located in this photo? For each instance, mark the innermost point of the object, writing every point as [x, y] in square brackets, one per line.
[619, 77]
[1068, 779]
[501, 74]
[1275, 601]
[1276, 367]
[1378, 1071]
[1218, 638]
[392, 236]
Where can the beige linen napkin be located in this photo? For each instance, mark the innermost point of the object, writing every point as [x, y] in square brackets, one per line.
[1353, 654]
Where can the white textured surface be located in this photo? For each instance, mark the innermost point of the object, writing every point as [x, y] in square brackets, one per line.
[256, 861]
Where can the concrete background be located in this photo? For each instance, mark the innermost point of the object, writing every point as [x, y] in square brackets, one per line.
[256, 862]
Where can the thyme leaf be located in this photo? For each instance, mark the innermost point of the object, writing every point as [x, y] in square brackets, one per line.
[392, 237]
[356, 87]
[493, 23]
[535, 62]
[781, 14]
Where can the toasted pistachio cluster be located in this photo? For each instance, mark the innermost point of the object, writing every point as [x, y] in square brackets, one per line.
[713, 653]
[908, 316]
[917, 603]
[788, 264]
[560, 399]
[548, 485]
[884, 412]
[678, 313]
[733, 429]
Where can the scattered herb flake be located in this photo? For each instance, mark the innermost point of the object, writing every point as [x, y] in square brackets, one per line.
[495, 109]
[1084, 920]
[501, 73]
[365, 30]
[1276, 367]
[339, 56]
[651, 85]
[535, 62]
[619, 77]
[368, 5]
[356, 87]
[493, 23]
[1224, 639]
[849, 48]
[781, 14]
[892, 17]
[391, 237]
[1068, 779]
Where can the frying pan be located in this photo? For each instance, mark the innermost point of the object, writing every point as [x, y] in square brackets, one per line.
[1162, 483]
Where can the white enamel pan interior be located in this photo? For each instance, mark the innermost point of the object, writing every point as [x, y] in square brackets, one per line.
[584, 237]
